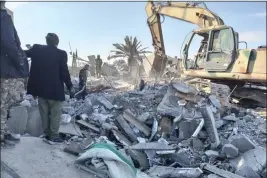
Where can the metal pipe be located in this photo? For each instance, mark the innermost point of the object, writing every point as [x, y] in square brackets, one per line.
[200, 126]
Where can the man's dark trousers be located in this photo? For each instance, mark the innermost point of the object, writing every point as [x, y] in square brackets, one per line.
[82, 86]
[50, 111]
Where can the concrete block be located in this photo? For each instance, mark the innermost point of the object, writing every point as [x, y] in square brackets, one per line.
[129, 116]
[187, 128]
[34, 125]
[255, 159]
[213, 176]
[230, 150]
[18, 119]
[143, 117]
[230, 118]
[212, 153]
[165, 125]
[247, 172]
[242, 142]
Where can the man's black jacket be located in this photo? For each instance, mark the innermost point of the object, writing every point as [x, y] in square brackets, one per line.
[49, 71]
[13, 61]
[83, 76]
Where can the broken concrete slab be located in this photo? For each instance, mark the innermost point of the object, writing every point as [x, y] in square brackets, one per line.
[164, 171]
[187, 128]
[213, 169]
[196, 144]
[213, 176]
[18, 119]
[182, 87]
[121, 138]
[230, 150]
[219, 123]
[32, 156]
[165, 125]
[87, 125]
[264, 174]
[139, 157]
[74, 149]
[70, 129]
[126, 128]
[34, 125]
[182, 157]
[143, 117]
[105, 102]
[210, 126]
[247, 172]
[255, 158]
[230, 118]
[213, 99]
[151, 146]
[166, 108]
[129, 116]
[212, 153]
[242, 142]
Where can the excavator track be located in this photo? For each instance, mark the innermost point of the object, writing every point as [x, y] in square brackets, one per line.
[250, 97]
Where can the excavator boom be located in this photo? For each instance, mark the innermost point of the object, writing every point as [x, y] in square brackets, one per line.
[188, 12]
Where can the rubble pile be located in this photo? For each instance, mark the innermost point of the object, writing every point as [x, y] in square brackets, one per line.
[163, 131]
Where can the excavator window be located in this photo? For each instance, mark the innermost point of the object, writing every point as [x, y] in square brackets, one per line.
[221, 50]
[222, 41]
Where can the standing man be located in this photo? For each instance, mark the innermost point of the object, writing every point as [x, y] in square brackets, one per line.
[14, 68]
[83, 79]
[49, 71]
[98, 64]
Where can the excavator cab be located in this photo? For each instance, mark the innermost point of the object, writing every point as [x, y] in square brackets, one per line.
[217, 49]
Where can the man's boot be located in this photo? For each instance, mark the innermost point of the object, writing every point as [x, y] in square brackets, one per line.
[5, 144]
[12, 137]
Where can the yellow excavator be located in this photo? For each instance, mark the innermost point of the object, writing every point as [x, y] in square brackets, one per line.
[218, 58]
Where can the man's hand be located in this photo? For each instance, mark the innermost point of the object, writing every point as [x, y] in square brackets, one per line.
[72, 93]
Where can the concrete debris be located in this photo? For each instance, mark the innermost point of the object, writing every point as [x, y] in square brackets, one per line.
[217, 171]
[243, 143]
[213, 99]
[105, 102]
[247, 172]
[213, 176]
[182, 87]
[88, 125]
[143, 117]
[212, 153]
[230, 150]
[165, 125]
[230, 118]
[151, 146]
[17, 121]
[255, 159]
[210, 126]
[70, 129]
[126, 128]
[160, 131]
[129, 116]
[163, 171]
[121, 138]
[187, 128]
[65, 118]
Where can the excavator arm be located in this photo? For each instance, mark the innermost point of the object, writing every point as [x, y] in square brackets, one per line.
[188, 12]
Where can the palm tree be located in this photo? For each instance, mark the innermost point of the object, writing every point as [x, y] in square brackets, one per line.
[132, 50]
